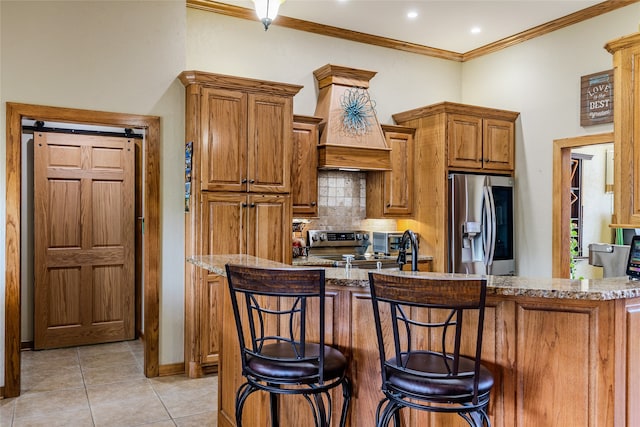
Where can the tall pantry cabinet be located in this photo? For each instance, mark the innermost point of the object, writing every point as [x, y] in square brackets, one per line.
[241, 132]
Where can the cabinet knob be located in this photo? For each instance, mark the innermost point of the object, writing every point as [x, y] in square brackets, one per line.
[252, 205]
[487, 160]
[251, 181]
[313, 203]
[244, 180]
[244, 205]
[388, 205]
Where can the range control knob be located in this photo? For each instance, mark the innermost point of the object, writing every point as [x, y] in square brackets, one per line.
[366, 236]
[358, 236]
[323, 237]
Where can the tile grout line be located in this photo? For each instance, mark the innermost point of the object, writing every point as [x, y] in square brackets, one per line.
[161, 401]
[151, 385]
[84, 383]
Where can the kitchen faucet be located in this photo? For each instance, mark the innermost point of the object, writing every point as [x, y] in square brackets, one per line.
[402, 252]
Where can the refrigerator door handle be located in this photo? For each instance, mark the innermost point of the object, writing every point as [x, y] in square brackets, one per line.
[491, 227]
[486, 229]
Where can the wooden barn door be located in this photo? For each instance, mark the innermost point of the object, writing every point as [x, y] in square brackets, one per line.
[84, 239]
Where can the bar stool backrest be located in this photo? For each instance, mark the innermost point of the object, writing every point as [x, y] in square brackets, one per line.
[428, 314]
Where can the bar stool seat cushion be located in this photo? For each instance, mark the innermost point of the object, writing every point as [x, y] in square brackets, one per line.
[432, 385]
[335, 362]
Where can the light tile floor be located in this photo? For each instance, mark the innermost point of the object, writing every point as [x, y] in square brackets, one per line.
[104, 385]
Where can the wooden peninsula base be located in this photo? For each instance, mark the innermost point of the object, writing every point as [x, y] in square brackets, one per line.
[563, 353]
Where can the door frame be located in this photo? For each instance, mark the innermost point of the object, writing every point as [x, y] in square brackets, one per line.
[561, 217]
[151, 124]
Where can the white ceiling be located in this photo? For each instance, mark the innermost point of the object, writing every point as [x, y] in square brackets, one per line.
[444, 24]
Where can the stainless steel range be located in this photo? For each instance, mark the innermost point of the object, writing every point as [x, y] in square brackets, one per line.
[342, 245]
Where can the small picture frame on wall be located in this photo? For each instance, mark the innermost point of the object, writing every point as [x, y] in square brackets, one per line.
[596, 98]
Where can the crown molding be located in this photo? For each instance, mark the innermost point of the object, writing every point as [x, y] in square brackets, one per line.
[327, 30]
[557, 24]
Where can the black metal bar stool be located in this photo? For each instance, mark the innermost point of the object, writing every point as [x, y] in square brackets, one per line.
[271, 310]
[421, 364]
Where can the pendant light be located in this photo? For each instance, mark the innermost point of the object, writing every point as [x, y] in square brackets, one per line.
[267, 10]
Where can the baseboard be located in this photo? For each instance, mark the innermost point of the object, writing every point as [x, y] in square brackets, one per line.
[26, 345]
[171, 369]
[2, 392]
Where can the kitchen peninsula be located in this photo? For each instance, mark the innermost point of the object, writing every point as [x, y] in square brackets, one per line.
[563, 352]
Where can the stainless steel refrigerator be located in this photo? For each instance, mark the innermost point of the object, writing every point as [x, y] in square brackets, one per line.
[481, 231]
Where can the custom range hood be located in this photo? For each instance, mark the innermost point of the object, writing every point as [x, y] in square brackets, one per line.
[352, 138]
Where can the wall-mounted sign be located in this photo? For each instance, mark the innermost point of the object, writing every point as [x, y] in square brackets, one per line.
[596, 98]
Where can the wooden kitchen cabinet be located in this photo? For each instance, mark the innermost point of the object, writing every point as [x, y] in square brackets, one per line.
[246, 141]
[452, 137]
[254, 224]
[626, 130]
[480, 143]
[390, 194]
[304, 166]
[241, 133]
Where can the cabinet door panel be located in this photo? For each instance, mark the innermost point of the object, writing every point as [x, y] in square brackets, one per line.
[270, 134]
[390, 194]
[224, 148]
[211, 319]
[498, 144]
[398, 184]
[304, 169]
[269, 227]
[465, 141]
[223, 223]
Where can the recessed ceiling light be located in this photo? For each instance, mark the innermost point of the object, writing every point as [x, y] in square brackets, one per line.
[412, 14]
[476, 30]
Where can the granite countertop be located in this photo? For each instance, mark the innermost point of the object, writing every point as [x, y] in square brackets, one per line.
[590, 289]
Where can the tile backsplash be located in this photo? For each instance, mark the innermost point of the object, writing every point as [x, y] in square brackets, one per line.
[342, 203]
[341, 198]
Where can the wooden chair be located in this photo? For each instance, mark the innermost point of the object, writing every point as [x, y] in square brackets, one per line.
[275, 321]
[419, 324]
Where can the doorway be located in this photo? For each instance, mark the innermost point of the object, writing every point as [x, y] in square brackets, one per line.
[151, 160]
[561, 221]
[83, 236]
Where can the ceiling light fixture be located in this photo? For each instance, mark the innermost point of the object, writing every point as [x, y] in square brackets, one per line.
[412, 15]
[267, 10]
[476, 30]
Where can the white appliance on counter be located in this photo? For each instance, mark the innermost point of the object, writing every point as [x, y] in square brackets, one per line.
[481, 230]
[388, 242]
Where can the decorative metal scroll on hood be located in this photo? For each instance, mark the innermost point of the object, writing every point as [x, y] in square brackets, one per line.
[352, 138]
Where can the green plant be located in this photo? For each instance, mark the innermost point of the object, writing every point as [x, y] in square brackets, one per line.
[573, 249]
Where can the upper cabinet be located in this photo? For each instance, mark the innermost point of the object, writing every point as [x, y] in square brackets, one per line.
[304, 166]
[480, 143]
[626, 131]
[243, 132]
[390, 194]
[471, 138]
